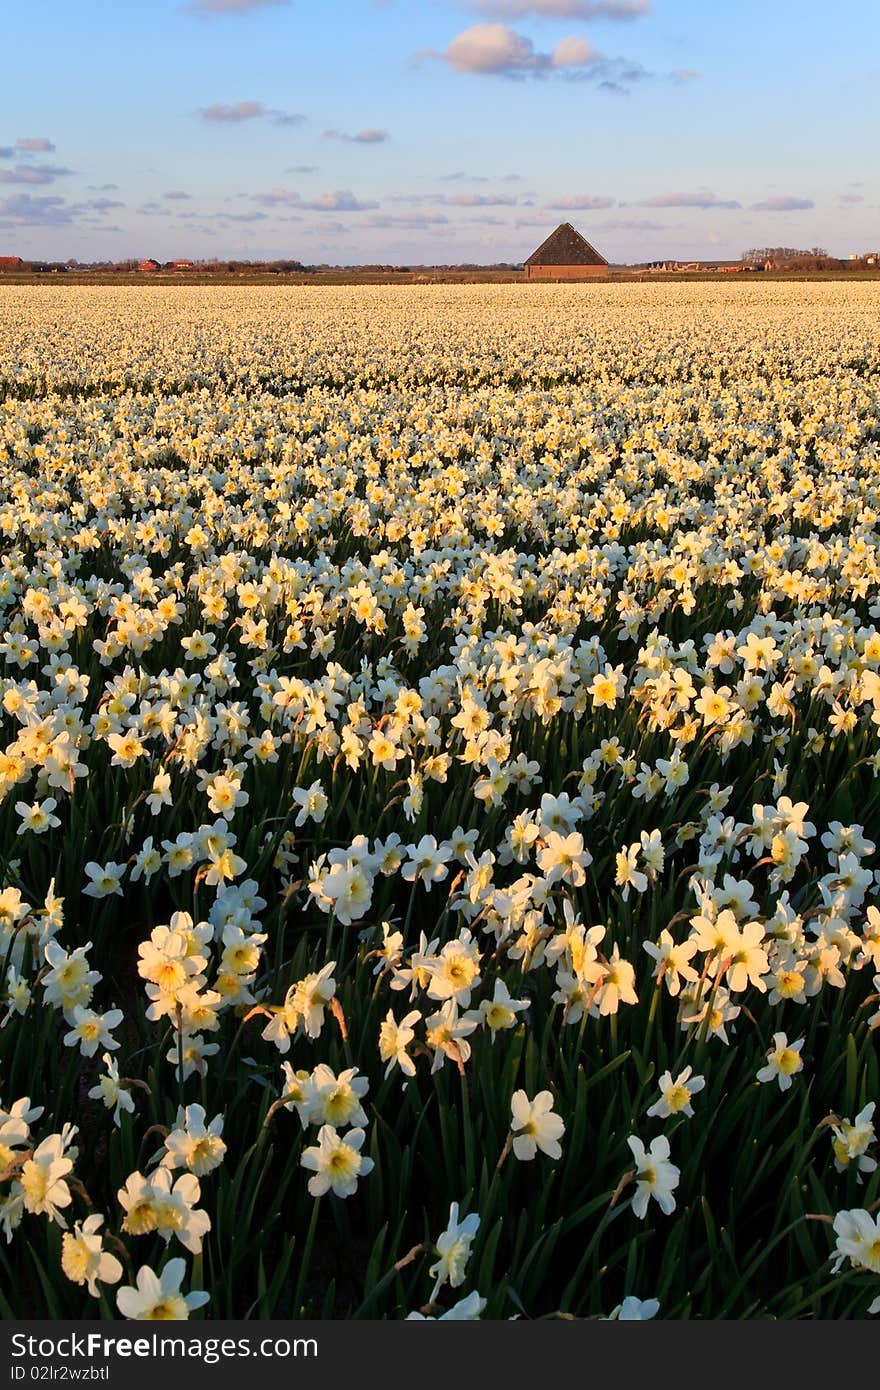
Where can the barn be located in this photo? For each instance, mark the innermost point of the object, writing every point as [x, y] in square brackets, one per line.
[565, 255]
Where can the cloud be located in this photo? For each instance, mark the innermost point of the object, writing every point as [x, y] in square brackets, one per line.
[457, 200]
[612, 74]
[415, 222]
[851, 198]
[24, 210]
[701, 199]
[327, 229]
[302, 169]
[533, 221]
[363, 137]
[490, 48]
[783, 203]
[574, 52]
[33, 174]
[233, 114]
[565, 9]
[480, 200]
[631, 224]
[177, 195]
[241, 111]
[461, 176]
[343, 200]
[207, 9]
[498, 50]
[580, 200]
[614, 224]
[34, 144]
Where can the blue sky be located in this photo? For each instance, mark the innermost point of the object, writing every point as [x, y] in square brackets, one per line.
[437, 131]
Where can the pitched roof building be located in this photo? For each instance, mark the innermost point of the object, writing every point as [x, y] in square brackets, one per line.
[565, 255]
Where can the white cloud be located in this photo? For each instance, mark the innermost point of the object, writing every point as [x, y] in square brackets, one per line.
[574, 53]
[480, 200]
[209, 8]
[240, 111]
[24, 210]
[581, 201]
[491, 48]
[457, 200]
[342, 200]
[414, 222]
[631, 224]
[566, 9]
[783, 203]
[34, 144]
[235, 113]
[33, 173]
[361, 137]
[498, 49]
[701, 199]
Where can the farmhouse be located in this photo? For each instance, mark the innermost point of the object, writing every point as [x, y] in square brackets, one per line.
[11, 263]
[565, 255]
[149, 264]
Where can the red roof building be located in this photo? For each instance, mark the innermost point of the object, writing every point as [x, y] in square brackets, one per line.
[565, 255]
[149, 264]
[11, 263]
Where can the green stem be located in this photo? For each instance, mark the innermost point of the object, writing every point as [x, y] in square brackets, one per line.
[180, 1057]
[306, 1259]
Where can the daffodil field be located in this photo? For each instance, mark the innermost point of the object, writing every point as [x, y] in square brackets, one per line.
[440, 801]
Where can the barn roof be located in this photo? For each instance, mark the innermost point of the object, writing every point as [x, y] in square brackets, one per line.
[566, 246]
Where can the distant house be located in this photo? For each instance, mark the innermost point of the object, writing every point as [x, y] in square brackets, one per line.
[565, 255]
[148, 264]
[11, 263]
[180, 265]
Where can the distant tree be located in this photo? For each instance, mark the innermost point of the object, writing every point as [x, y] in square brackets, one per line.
[780, 253]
